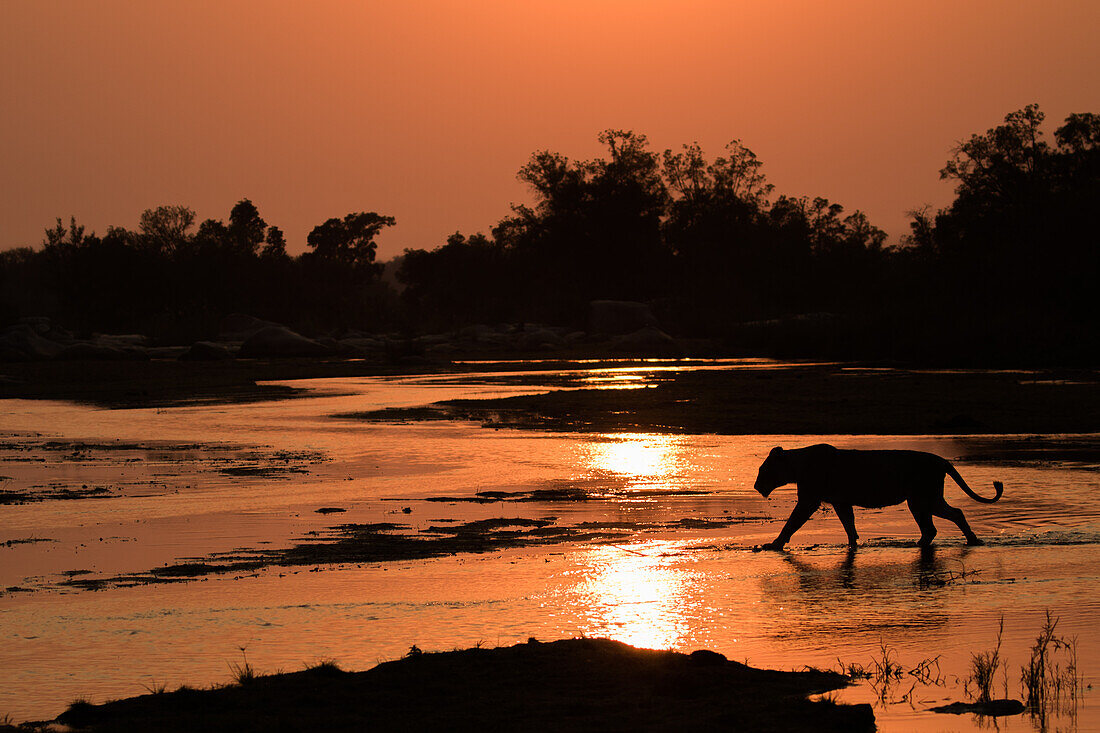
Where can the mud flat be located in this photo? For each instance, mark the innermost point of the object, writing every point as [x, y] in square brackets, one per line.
[800, 400]
[576, 684]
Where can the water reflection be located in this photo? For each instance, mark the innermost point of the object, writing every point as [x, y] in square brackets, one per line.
[641, 457]
[638, 595]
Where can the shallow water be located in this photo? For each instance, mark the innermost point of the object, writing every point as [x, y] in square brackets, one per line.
[187, 482]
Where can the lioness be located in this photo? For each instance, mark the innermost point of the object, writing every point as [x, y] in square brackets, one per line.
[867, 478]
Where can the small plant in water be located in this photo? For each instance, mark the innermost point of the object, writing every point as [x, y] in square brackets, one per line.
[1050, 677]
[886, 668]
[984, 665]
[855, 670]
[884, 673]
[244, 672]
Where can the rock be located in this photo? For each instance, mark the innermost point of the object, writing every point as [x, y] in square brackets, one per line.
[707, 658]
[120, 340]
[335, 347]
[275, 341]
[441, 351]
[85, 351]
[166, 352]
[22, 342]
[207, 351]
[615, 317]
[990, 707]
[646, 341]
[477, 332]
[240, 326]
[542, 338]
[39, 324]
[362, 345]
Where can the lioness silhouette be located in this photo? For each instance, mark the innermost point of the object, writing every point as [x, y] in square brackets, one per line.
[866, 478]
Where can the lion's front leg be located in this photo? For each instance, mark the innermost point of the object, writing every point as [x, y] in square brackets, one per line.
[802, 511]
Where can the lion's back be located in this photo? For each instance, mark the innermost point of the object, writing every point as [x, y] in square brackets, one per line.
[877, 478]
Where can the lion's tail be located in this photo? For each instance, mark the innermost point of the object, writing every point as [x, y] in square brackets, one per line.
[997, 485]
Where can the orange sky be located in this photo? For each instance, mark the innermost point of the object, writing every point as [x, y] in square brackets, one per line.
[425, 110]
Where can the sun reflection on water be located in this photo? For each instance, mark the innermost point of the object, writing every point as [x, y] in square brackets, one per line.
[645, 456]
[637, 595]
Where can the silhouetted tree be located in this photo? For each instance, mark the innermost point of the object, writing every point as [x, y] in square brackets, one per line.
[274, 244]
[339, 284]
[349, 241]
[1017, 245]
[467, 280]
[164, 229]
[246, 227]
[72, 236]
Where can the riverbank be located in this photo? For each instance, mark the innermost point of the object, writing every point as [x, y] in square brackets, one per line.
[576, 684]
[759, 397]
[800, 399]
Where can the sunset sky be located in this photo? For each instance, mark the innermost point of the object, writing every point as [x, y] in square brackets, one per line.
[425, 110]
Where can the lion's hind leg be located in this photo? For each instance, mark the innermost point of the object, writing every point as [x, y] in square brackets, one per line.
[923, 514]
[848, 519]
[942, 509]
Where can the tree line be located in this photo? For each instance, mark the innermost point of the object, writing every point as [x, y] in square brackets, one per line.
[1004, 272]
[175, 282]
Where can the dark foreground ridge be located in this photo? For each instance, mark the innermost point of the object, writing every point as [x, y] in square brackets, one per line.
[576, 685]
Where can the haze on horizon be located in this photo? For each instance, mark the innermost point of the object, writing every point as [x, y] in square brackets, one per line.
[425, 110]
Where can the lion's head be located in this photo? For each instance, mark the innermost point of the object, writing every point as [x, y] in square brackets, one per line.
[774, 472]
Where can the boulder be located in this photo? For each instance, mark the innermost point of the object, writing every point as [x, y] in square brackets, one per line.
[542, 338]
[39, 324]
[362, 345]
[207, 351]
[646, 341]
[166, 352]
[22, 342]
[615, 317]
[120, 340]
[240, 326]
[85, 351]
[276, 341]
[441, 351]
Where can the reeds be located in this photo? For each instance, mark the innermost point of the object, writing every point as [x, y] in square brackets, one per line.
[884, 673]
[1049, 682]
[984, 666]
[1050, 678]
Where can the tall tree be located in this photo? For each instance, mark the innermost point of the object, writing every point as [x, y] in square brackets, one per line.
[164, 229]
[246, 227]
[349, 241]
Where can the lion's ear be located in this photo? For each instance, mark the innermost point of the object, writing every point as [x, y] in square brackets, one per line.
[776, 449]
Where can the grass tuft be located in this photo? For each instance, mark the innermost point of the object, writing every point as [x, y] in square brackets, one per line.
[243, 672]
[326, 665]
